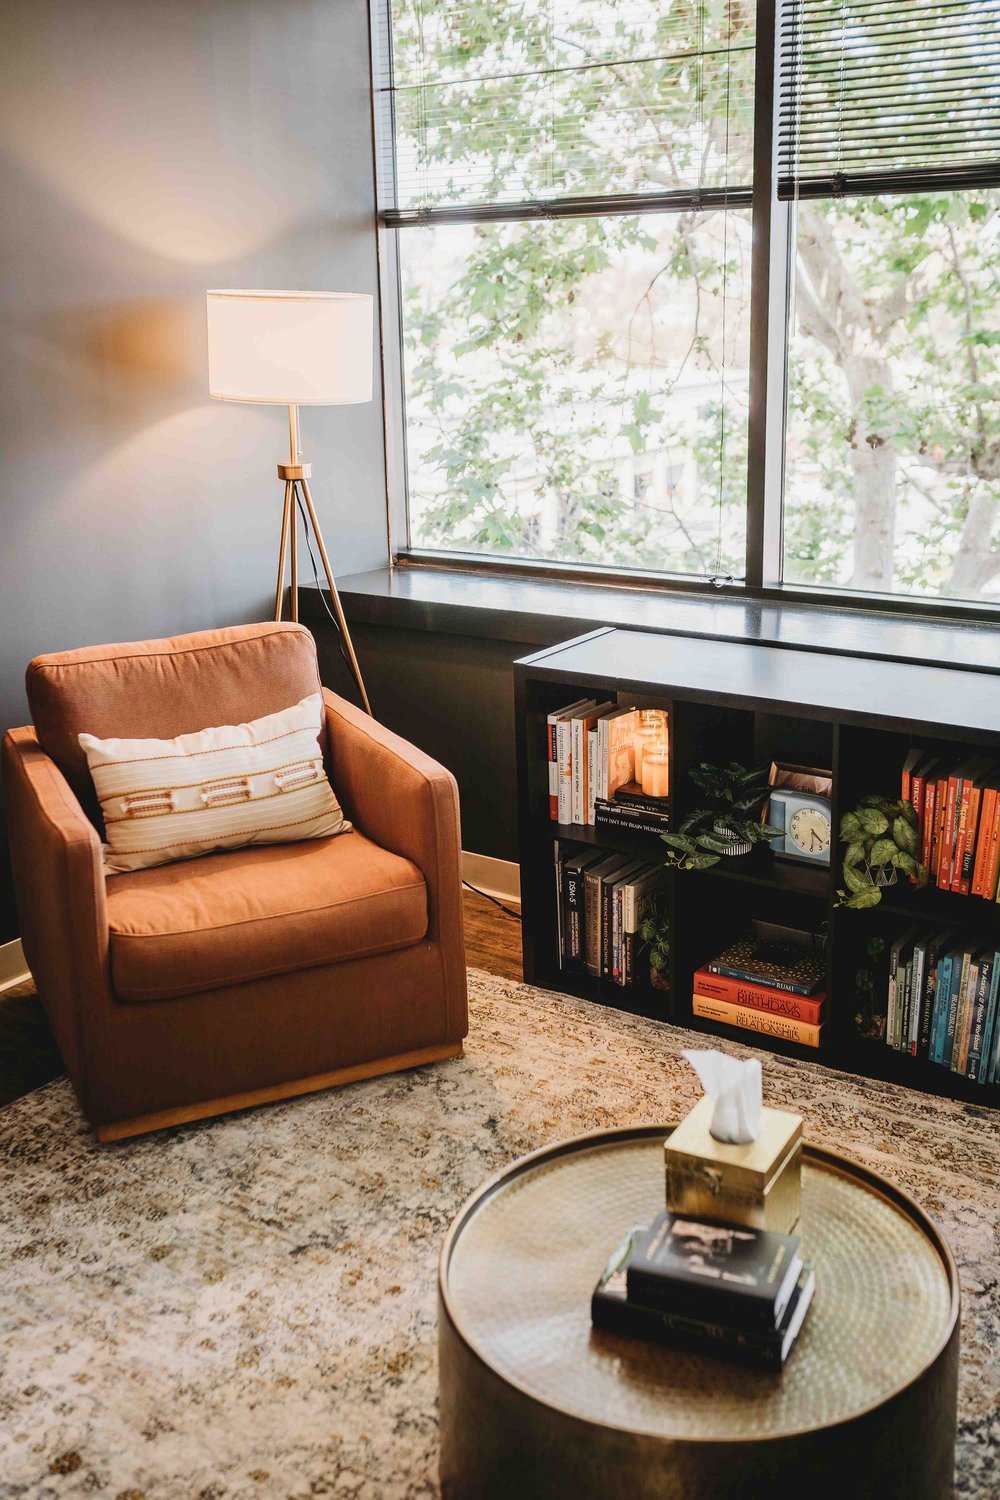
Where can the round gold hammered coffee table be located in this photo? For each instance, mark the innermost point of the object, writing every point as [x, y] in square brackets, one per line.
[535, 1403]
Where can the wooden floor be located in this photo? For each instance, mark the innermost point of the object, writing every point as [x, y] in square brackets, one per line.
[29, 1058]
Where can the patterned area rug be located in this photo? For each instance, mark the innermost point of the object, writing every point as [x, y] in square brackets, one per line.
[245, 1309]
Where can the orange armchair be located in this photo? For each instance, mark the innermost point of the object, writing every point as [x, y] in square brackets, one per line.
[244, 976]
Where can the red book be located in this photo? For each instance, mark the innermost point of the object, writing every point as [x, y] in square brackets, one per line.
[993, 866]
[986, 810]
[760, 997]
[940, 805]
[971, 835]
[927, 839]
[948, 833]
[961, 833]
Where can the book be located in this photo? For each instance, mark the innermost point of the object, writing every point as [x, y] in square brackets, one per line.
[766, 1023]
[982, 1061]
[615, 761]
[959, 975]
[939, 1020]
[980, 1006]
[630, 823]
[991, 883]
[573, 901]
[963, 1020]
[580, 726]
[936, 946]
[612, 1312]
[551, 728]
[898, 955]
[909, 762]
[764, 997]
[722, 1273]
[940, 810]
[638, 899]
[593, 911]
[608, 887]
[986, 811]
[971, 839]
[632, 795]
[564, 758]
[782, 957]
[591, 773]
[926, 840]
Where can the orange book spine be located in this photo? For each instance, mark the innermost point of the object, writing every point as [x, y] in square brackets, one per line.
[749, 1019]
[990, 887]
[942, 797]
[961, 834]
[986, 811]
[759, 997]
[927, 830]
[950, 832]
[971, 835]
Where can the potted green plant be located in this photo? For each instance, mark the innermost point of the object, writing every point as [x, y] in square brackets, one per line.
[654, 930]
[881, 839]
[728, 823]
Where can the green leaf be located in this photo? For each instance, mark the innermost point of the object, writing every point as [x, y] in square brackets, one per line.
[872, 821]
[908, 811]
[700, 861]
[882, 852]
[855, 853]
[679, 841]
[850, 828]
[905, 862]
[854, 880]
[904, 835]
[871, 896]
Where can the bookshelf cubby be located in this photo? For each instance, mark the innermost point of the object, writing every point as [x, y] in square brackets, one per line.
[736, 701]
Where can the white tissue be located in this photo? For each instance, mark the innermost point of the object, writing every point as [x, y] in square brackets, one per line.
[736, 1087]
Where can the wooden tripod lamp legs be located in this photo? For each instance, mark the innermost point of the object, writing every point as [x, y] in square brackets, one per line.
[296, 477]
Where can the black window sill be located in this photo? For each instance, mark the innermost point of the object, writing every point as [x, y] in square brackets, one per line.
[544, 611]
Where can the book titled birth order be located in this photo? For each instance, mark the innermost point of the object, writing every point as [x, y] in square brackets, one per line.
[727, 1273]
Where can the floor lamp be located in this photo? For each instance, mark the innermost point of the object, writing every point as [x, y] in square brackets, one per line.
[294, 349]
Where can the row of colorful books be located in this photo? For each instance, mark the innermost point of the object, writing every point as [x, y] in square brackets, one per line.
[601, 902]
[721, 1289]
[771, 980]
[591, 767]
[942, 1001]
[958, 821]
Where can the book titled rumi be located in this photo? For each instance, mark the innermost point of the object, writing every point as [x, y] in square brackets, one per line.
[780, 957]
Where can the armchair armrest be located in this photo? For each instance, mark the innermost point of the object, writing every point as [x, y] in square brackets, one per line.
[59, 882]
[407, 803]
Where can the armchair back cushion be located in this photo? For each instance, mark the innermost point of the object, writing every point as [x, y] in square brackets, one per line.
[161, 689]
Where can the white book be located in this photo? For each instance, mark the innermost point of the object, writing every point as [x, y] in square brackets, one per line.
[591, 771]
[564, 758]
[551, 732]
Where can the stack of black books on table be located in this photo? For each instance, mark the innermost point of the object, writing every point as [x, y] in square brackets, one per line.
[720, 1289]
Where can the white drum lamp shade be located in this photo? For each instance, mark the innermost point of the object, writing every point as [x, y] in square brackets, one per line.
[290, 348]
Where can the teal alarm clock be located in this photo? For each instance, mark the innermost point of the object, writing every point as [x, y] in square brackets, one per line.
[807, 825]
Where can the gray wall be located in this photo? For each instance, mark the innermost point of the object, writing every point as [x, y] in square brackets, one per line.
[149, 150]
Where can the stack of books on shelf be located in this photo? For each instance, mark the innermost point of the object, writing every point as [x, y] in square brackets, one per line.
[940, 994]
[770, 981]
[601, 901]
[958, 821]
[592, 771]
[737, 1293]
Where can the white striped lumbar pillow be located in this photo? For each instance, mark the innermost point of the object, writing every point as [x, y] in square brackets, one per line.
[257, 783]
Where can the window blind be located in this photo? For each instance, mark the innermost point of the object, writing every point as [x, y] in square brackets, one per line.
[888, 96]
[513, 107]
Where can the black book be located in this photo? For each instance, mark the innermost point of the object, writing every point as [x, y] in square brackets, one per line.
[573, 903]
[613, 1312]
[719, 1273]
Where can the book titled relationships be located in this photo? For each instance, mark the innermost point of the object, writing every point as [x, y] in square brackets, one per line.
[726, 1274]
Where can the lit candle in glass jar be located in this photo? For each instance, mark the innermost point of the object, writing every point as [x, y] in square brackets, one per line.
[656, 770]
[651, 729]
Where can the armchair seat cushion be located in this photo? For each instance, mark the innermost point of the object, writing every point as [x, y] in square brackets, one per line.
[245, 914]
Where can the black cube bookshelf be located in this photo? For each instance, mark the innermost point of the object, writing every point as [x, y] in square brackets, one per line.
[735, 701]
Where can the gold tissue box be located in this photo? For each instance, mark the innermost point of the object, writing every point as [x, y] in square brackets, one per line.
[757, 1184]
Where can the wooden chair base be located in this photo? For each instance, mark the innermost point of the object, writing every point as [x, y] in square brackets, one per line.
[120, 1130]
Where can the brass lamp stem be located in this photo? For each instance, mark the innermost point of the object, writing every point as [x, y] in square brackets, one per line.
[296, 474]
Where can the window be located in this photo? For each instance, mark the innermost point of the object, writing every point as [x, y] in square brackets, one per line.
[580, 232]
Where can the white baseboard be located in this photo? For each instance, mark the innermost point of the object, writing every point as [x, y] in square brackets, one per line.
[13, 969]
[499, 878]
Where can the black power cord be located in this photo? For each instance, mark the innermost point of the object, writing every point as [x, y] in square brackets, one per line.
[486, 897]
